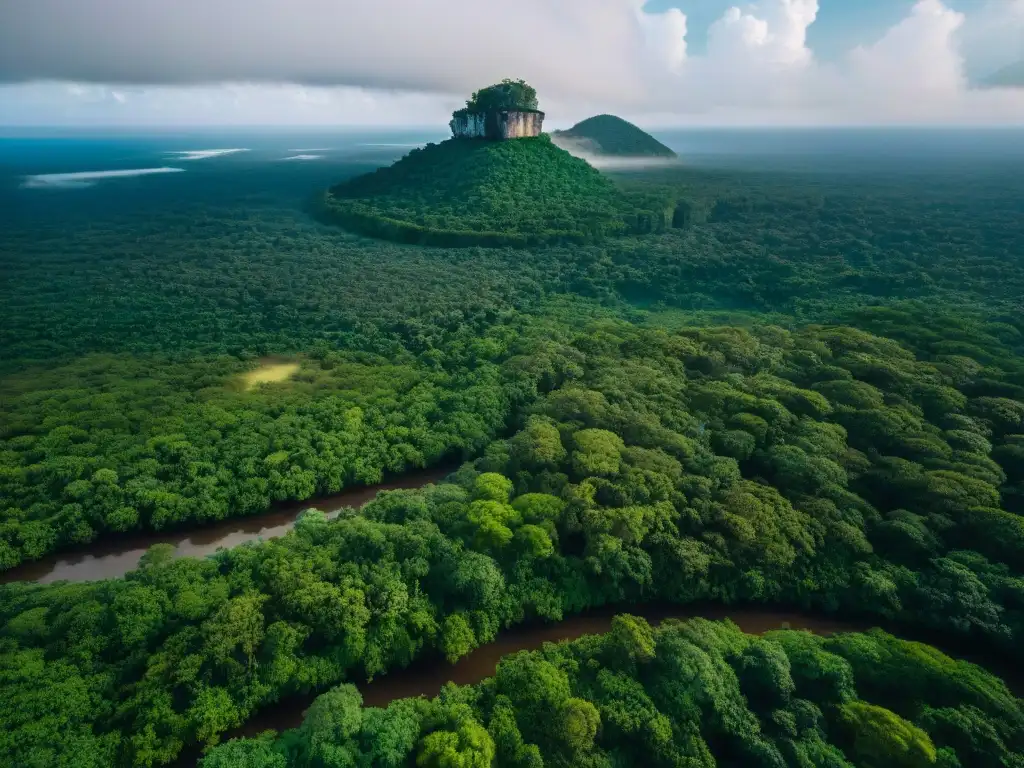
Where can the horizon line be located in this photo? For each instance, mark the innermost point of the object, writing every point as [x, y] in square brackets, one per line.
[7, 129]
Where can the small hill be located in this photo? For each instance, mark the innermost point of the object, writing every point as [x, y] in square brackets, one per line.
[476, 192]
[1011, 76]
[611, 136]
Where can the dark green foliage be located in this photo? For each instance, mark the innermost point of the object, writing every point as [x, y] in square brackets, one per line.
[860, 453]
[688, 703]
[611, 491]
[608, 135]
[508, 94]
[468, 192]
[115, 444]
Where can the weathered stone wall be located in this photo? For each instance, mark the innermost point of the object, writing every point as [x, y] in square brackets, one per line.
[469, 125]
[497, 125]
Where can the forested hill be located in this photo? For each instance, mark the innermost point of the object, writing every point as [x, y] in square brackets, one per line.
[470, 192]
[613, 136]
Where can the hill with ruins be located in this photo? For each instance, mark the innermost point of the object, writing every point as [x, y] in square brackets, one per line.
[499, 181]
[507, 110]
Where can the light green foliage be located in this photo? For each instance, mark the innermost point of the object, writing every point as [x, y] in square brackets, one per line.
[246, 753]
[330, 725]
[490, 486]
[469, 746]
[493, 521]
[534, 541]
[539, 507]
[538, 445]
[631, 640]
[816, 673]
[735, 443]
[457, 638]
[597, 452]
[579, 721]
[881, 738]
[236, 630]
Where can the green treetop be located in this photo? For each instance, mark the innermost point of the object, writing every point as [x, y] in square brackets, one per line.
[508, 94]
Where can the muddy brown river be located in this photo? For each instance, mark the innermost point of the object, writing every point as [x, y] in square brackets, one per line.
[426, 676]
[116, 555]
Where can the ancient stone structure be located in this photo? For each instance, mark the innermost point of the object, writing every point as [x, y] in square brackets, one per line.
[497, 124]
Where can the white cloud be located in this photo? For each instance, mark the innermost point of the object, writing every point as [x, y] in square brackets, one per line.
[86, 178]
[206, 154]
[594, 48]
[372, 64]
[665, 37]
[758, 67]
[917, 73]
[776, 37]
[992, 37]
[915, 66]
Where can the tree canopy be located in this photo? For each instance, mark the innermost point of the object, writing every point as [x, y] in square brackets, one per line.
[460, 193]
[702, 693]
[508, 94]
[799, 389]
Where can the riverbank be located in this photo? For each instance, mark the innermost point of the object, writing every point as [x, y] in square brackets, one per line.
[429, 674]
[687, 673]
[426, 676]
[115, 555]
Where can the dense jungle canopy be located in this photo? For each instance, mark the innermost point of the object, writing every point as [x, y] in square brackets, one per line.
[794, 389]
[465, 192]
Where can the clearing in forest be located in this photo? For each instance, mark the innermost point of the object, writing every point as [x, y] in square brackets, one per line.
[269, 372]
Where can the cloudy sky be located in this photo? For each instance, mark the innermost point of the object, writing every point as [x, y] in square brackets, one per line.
[393, 62]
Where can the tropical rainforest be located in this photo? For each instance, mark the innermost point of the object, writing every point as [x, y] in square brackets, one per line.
[793, 389]
[477, 192]
[699, 693]
[612, 136]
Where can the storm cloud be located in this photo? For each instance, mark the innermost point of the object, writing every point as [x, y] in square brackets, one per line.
[589, 47]
[389, 61]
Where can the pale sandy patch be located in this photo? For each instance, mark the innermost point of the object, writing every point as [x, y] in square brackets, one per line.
[269, 373]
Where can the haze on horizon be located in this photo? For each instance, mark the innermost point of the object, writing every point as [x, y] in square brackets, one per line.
[404, 62]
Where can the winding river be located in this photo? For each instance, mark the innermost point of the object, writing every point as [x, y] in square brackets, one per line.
[427, 675]
[116, 555]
